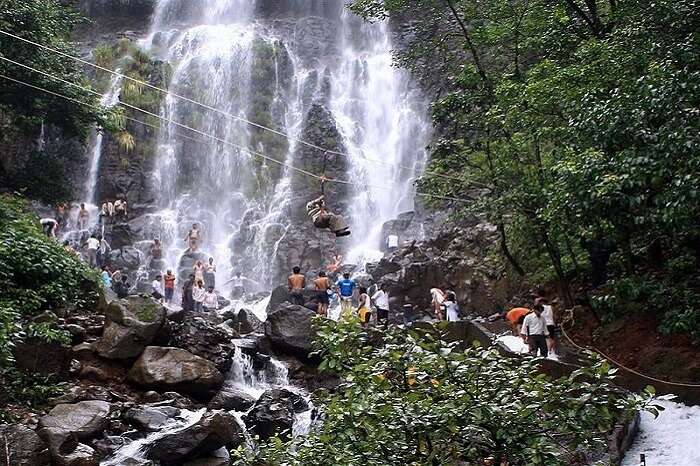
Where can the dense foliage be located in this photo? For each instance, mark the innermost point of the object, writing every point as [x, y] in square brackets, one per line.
[410, 398]
[36, 274]
[580, 118]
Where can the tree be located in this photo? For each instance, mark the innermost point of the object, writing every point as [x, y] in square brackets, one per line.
[580, 118]
[409, 397]
[50, 23]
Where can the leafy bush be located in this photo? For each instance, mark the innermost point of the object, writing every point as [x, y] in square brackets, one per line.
[409, 397]
[36, 274]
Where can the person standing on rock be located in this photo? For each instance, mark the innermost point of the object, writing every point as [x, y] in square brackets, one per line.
[364, 308]
[296, 284]
[169, 286]
[198, 270]
[451, 307]
[381, 301]
[438, 298]
[83, 217]
[548, 314]
[104, 251]
[93, 244]
[120, 209]
[211, 300]
[322, 285]
[187, 287]
[210, 274]
[156, 250]
[238, 286]
[535, 331]
[122, 287]
[193, 238]
[61, 214]
[346, 289]
[198, 294]
[157, 290]
[392, 243]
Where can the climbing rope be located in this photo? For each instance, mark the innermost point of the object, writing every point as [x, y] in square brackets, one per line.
[202, 133]
[228, 114]
[569, 318]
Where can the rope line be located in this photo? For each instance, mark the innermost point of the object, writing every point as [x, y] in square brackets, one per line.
[202, 133]
[223, 112]
[617, 363]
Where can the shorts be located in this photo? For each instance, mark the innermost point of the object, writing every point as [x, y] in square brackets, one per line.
[323, 297]
[157, 295]
[169, 293]
[554, 331]
[365, 315]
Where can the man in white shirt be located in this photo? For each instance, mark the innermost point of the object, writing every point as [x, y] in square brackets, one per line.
[157, 290]
[381, 301]
[93, 244]
[392, 243]
[211, 300]
[534, 331]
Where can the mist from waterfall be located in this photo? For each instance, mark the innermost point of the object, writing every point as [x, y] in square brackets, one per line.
[241, 201]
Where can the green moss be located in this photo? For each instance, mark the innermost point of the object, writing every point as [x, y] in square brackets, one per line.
[147, 312]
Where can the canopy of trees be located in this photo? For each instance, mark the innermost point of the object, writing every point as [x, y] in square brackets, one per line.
[579, 118]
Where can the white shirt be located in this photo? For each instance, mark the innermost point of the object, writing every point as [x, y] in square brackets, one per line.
[381, 299]
[157, 286]
[93, 243]
[438, 296]
[533, 325]
[198, 294]
[452, 311]
[392, 241]
[548, 314]
[211, 301]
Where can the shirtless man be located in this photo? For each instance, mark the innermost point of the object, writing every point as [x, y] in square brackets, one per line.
[193, 237]
[322, 284]
[296, 284]
[83, 217]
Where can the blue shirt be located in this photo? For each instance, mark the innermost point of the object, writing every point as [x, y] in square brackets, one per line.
[346, 286]
[106, 280]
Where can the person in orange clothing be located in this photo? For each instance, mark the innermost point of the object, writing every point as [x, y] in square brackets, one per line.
[515, 318]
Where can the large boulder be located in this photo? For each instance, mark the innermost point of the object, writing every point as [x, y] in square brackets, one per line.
[200, 336]
[274, 412]
[175, 369]
[21, 446]
[151, 418]
[66, 424]
[212, 432]
[132, 324]
[232, 398]
[244, 321]
[289, 329]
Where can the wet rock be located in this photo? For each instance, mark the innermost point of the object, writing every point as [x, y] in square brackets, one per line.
[78, 333]
[66, 424]
[127, 259]
[21, 446]
[151, 418]
[273, 413]
[289, 329]
[109, 444]
[212, 432]
[232, 399]
[220, 457]
[200, 336]
[132, 324]
[244, 322]
[175, 369]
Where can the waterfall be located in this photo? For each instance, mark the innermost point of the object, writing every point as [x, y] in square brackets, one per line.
[227, 55]
[109, 99]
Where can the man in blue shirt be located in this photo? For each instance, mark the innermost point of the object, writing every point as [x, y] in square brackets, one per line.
[346, 288]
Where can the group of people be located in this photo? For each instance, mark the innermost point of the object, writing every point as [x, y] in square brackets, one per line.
[536, 325]
[354, 299]
[109, 209]
[444, 304]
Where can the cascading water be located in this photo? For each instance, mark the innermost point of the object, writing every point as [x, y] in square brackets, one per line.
[383, 121]
[109, 99]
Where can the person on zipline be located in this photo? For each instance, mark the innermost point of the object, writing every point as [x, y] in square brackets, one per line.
[324, 218]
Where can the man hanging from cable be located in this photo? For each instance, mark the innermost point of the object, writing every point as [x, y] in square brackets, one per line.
[324, 218]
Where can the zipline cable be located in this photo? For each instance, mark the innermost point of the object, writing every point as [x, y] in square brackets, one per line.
[227, 114]
[202, 133]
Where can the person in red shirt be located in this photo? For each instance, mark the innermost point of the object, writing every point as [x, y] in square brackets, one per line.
[515, 318]
[169, 284]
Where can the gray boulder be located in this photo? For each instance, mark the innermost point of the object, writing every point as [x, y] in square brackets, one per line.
[66, 424]
[21, 446]
[212, 432]
[289, 329]
[220, 457]
[231, 398]
[151, 418]
[175, 369]
[273, 413]
[244, 322]
[132, 324]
